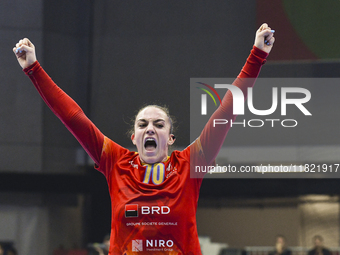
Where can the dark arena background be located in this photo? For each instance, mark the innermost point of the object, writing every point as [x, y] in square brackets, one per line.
[113, 57]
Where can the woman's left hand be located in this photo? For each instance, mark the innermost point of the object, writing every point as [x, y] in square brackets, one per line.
[264, 38]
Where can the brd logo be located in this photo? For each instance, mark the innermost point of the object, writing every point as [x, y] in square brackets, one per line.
[132, 210]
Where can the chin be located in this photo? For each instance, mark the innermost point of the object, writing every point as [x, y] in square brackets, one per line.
[151, 159]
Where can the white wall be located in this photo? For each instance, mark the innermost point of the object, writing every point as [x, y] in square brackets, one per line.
[258, 226]
[26, 227]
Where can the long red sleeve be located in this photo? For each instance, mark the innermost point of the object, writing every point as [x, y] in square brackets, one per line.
[68, 111]
[212, 138]
[92, 139]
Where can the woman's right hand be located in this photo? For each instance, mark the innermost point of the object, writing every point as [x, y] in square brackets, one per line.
[24, 50]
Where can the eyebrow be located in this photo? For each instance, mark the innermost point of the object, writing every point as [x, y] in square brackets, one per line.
[155, 121]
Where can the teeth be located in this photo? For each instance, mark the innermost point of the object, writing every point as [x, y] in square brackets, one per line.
[150, 141]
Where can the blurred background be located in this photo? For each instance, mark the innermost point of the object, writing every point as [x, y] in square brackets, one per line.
[112, 57]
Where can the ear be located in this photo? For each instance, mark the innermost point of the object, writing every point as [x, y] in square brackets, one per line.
[172, 139]
[133, 139]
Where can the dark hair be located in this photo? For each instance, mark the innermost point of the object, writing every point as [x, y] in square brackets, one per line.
[318, 237]
[11, 250]
[164, 108]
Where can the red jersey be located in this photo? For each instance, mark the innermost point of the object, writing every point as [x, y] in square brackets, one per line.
[153, 206]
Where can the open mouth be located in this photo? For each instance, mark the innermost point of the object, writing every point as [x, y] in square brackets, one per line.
[150, 144]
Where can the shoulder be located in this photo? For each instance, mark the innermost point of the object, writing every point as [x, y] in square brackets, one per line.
[111, 146]
[195, 148]
[114, 152]
[326, 251]
[288, 251]
[180, 155]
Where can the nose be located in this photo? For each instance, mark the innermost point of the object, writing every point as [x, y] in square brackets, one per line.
[150, 129]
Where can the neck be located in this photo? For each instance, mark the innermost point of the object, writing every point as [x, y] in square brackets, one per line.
[151, 163]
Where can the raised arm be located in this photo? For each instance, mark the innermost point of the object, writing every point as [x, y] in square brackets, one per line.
[63, 106]
[212, 138]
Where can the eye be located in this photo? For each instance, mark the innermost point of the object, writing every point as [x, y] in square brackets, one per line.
[141, 125]
[159, 125]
